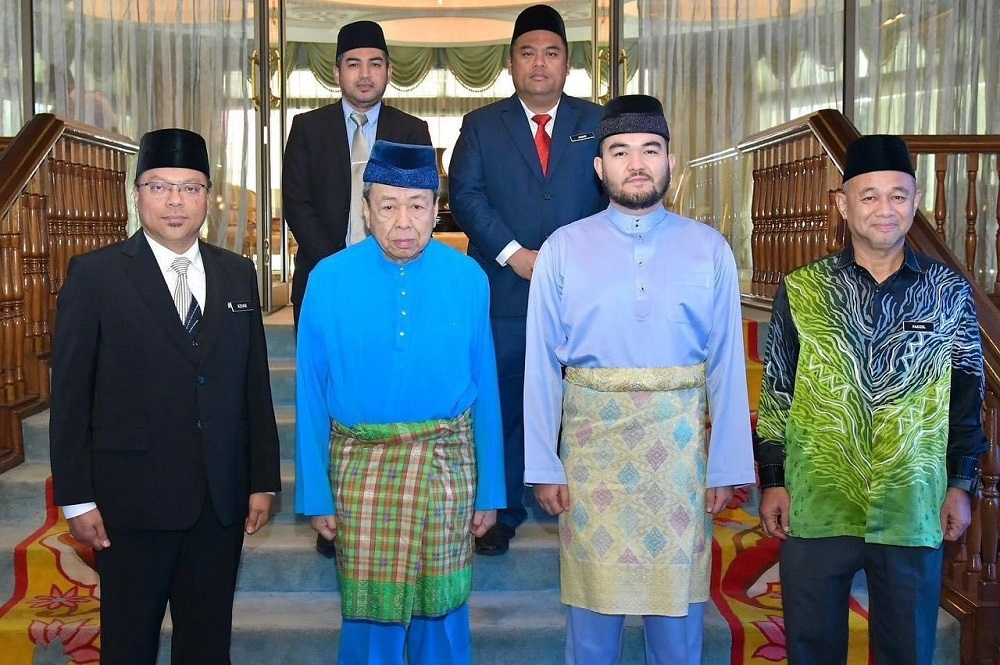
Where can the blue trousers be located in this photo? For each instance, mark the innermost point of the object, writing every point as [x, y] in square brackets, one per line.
[509, 341]
[904, 586]
[596, 639]
[442, 640]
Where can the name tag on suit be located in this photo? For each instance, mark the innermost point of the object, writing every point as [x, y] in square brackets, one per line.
[576, 138]
[239, 306]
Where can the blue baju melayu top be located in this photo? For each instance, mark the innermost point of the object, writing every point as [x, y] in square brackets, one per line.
[384, 342]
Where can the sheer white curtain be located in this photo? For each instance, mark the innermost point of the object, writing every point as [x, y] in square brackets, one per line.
[136, 65]
[933, 67]
[725, 69]
[11, 88]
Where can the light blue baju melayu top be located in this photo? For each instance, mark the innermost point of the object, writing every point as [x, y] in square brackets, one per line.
[621, 291]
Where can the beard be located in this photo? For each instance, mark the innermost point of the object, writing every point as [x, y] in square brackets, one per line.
[639, 200]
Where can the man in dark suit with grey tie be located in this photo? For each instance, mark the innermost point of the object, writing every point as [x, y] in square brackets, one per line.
[322, 164]
[163, 440]
[522, 167]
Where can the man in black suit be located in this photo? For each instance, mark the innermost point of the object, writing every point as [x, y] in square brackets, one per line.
[321, 159]
[163, 441]
[323, 163]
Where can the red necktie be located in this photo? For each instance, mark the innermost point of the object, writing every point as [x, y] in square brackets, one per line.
[542, 140]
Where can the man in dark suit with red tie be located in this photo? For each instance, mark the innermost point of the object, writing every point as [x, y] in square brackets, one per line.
[163, 441]
[522, 167]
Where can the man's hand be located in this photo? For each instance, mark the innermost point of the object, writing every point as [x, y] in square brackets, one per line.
[775, 504]
[717, 498]
[554, 499]
[325, 525]
[956, 513]
[482, 520]
[260, 511]
[522, 262]
[88, 528]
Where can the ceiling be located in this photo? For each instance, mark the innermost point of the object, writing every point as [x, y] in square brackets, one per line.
[426, 22]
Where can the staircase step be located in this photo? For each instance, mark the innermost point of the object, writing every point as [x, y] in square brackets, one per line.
[283, 558]
[507, 627]
[280, 334]
[282, 381]
[22, 494]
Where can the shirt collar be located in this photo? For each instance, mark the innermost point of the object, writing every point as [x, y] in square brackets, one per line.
[531, 114]
[635, 223]
[371, 114]
[911, 259]
[164, 257]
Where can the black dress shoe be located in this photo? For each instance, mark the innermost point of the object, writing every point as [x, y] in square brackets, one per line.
[495, 541]
[325, 547]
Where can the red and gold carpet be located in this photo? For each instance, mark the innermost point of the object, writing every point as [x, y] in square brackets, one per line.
[53, 612]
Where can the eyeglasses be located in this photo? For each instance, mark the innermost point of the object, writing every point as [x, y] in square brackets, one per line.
[189, 190]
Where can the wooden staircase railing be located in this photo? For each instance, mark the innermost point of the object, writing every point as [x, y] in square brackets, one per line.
[782, 182]
[62, 193]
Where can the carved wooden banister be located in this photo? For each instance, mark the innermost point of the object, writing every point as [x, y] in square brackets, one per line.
[795, 171]
[945, 149]
[62, 193]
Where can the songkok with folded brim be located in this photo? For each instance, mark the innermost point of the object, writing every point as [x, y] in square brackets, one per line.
[539, 17]
[402, 165]
[172, 149]
[633, 114]
[360, 34]
[877, 152]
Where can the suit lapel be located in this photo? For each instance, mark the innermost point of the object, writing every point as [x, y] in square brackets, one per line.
[337, 139]
[514, 119]
[145, 274]
[215, 305]
[567, 116]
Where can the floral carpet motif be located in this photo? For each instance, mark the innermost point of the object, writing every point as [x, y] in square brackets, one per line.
[746, 590]
[52, 616]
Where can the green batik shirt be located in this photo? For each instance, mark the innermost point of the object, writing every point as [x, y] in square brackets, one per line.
[871, 401]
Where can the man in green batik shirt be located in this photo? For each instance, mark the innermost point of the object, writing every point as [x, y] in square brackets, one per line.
[869, 431]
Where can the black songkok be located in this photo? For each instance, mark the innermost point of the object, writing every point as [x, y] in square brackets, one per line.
[539, 17]
[877, 152]
[633, 114]
[402, 165]
[360, 34]
[172, 148]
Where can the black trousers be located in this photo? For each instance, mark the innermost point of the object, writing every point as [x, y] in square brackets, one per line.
[193, 570]
[904, 589]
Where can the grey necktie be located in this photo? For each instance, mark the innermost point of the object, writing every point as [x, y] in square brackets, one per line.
[182, 292]
[356, 231]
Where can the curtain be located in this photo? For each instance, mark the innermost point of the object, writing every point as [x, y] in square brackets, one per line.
[11, 89]
[727, 69]
[140, 65]
[933, 67]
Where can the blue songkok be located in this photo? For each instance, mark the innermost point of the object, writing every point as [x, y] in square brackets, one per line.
[402, 165]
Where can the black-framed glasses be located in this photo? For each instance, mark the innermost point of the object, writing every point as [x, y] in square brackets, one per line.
[190, 190]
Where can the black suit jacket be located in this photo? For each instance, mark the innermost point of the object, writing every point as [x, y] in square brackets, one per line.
[316, 180]
[146, 419]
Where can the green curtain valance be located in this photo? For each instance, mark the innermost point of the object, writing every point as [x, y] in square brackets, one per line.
[475, 67]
